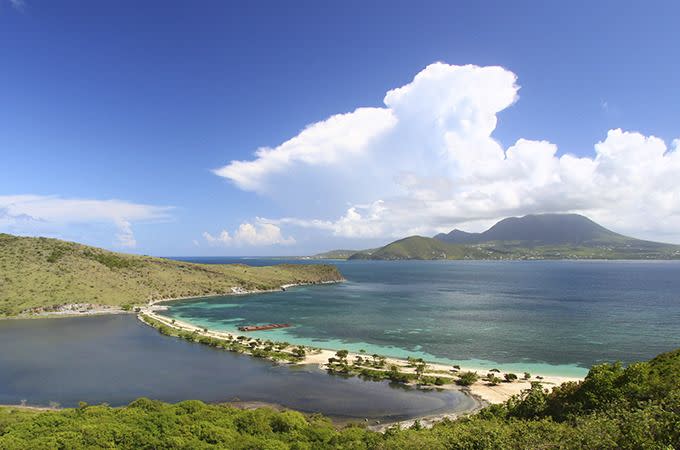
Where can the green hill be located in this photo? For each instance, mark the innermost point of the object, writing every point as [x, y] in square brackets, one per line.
[419, 247]
[546, 236]
[637, 407]
[41, 272]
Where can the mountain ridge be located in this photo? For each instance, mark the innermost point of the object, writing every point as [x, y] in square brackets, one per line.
[547, 229]
[534, 236]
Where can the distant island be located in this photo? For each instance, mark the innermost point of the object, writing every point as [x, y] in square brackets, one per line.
[41, 275]
[539, 236]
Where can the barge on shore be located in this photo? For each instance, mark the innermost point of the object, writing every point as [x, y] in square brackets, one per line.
[271, 326]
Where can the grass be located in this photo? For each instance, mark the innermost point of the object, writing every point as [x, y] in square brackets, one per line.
[42, 273]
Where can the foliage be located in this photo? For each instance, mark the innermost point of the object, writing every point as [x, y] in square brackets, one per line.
[256, 348]
[467, 378]
[510, 377]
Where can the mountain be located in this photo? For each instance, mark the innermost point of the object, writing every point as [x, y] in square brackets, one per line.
[540, 229]
[44, 273]
[544, 236]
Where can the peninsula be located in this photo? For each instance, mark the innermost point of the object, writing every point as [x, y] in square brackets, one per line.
[491, 386]
[41, 275]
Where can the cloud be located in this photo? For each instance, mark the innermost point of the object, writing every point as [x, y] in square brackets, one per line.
[427, 162]
[323, 143]
[38, 214]
[247, 234]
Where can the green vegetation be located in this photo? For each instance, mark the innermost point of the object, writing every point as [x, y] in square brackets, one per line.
[510, 377]
[275, 351]
[467, 378]
[374, 369]
[41, 274]
[613, 408]
[418, 247]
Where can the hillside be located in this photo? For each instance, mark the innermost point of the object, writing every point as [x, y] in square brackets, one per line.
[637, 407]
[41, 272]
[546, 236]
[419, 247]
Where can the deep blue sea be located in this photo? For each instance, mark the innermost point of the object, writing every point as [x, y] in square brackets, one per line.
[556, 317]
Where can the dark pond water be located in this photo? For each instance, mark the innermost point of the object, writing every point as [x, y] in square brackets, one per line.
[116, 359]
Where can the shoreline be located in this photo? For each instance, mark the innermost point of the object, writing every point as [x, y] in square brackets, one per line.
[482, 393]
[480, 389]
[236, 291]
[100, 310]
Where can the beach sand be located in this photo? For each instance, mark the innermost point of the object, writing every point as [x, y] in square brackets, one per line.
[480, 389]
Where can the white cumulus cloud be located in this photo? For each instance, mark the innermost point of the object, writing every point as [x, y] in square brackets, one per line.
[39, 214]
[427, 161]
[247, 234]
[323, 143]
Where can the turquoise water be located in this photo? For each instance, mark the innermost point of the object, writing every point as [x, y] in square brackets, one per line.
[553, 317]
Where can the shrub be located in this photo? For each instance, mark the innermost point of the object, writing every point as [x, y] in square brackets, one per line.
[510, 377]
[467, 378]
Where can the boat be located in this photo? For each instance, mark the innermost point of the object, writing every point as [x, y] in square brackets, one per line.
[271, 326]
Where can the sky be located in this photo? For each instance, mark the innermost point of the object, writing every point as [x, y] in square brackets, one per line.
[288, 128]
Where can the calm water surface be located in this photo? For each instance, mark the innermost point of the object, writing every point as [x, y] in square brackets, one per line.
[550, 316]
[117, 359]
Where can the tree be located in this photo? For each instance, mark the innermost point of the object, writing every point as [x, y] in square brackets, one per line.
[494, 380]
[421, 367]
[510, 377]
[467, 378]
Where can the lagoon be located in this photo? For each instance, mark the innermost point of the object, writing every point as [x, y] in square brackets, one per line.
[116, 359]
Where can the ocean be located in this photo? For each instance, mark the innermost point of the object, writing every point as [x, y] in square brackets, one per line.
[552, 317]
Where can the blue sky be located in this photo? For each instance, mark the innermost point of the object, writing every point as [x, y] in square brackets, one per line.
[119, 120]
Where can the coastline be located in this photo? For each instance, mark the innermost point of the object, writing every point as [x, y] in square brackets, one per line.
[235, 291]
[481, 392]
[99, 310]
[319, 357]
